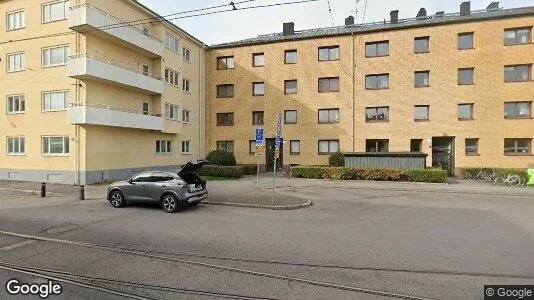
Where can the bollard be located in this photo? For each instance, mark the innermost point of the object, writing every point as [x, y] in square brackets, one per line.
[43, 189]
[82, 192]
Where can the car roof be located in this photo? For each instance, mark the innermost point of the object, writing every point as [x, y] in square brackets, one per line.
[153, 172]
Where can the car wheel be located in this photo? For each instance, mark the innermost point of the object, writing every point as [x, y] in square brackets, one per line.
[170, 203]
[116, 198]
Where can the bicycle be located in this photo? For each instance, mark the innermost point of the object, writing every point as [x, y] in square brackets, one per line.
[281, 172]
[511, 180]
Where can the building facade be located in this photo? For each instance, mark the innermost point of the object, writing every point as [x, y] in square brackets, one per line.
[457, 87]
[96, 90]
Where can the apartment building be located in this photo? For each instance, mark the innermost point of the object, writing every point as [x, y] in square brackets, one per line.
[91, 96]
[457, 87]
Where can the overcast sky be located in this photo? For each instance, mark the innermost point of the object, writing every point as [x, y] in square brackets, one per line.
[236, 25]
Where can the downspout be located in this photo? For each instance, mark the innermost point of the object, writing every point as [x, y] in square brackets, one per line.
[353, 96]
[200, 103]
[77, 127]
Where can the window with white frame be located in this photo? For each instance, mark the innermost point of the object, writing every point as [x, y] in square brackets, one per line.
[16, 62]
[186, 147]
[171, 43]
[172, 112]
[55, 56]
[16, 104]
[163, 146]
[16, 145]
[56, 145]
[186, 116]
[54, 101]
[54, 11]
[16, 20]
[186, 54]
[171, 76]
[186, 85]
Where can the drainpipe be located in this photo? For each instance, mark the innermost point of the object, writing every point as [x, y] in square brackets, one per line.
[353, 96]
[77, 127]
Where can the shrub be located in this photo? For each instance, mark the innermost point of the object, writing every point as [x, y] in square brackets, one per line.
[436, 175]
[501, 172]
[337, 160]
[221, 171]
[249, 169]
[221, 158]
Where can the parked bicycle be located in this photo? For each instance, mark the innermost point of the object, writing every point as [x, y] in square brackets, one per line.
[490, 176]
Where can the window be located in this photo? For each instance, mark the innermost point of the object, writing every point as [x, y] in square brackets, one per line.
[186, 147]
[327, 146]
[56, 56]
[16, 62]
[225, 146]
[257, 118]
[186, 85]
[16, 145]
[161, 177]
[258, 89]
[16, 104]
[422, 79]
[290, 57]
[225, 119]
[375, 49]
[421, 112]
[421, 44]
[517, 36]
[329, 115]
[172, 112]
[163, 146]
[294, 147]
[290, 87]
[171, 77]
[377, 81]
[517, 110]
[328, 85]
[16, 20]
[376, 145]
[328, 53]
[377, 114]
[54, 101]
[251, 147]
[465, 41]
[146, 70]
[186, 116]
[171, 43]
[56, 145]
[465, 111]
[471, 146]
[225, 91]
[143, 177]
[146, 30]
[416, 145]
[466, 76]
[517, 73]
[54, 11]
[258, 60]
[290, 117]
[146, 108]
[186, 54]
[517, 146]
[225, 62]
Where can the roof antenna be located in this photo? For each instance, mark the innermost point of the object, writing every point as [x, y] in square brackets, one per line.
[233, 5]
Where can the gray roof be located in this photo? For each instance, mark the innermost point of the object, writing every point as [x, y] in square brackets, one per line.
[432, 20]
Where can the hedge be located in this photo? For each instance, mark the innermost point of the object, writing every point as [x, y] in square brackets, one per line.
[435, 175]
[337, 160]
[221, 171]
[221, 158]
[498, 171]
[249, 169]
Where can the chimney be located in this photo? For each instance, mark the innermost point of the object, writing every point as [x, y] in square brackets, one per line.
[493, 6]
[289, 28]
[465, 8]
[440, 14]
[394, 14]
[349, 20]
[421, 14]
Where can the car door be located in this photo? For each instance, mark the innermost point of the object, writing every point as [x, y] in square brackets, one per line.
[158, 184]
[137, 189]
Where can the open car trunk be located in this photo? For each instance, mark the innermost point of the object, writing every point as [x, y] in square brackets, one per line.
[189, 175]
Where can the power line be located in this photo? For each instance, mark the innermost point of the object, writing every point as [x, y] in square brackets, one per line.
[143, 21]
[330, 11]
[364, 12]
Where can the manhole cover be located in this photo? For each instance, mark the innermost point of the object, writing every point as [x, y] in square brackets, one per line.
[61, 228]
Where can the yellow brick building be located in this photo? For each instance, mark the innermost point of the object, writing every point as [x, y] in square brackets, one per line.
[457, 87]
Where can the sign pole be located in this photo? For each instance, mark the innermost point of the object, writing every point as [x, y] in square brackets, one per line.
[259, 148]
[274, 180]
[276, 149]
[258, 173]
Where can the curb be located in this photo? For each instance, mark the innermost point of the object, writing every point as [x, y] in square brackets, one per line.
[276, 207]
[32, 192]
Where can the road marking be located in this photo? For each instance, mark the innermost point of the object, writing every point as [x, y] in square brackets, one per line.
[17, 245]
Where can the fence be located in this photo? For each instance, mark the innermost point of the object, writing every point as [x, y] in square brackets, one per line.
[386, 160]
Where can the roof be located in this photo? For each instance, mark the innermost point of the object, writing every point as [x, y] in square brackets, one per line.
[433, 20]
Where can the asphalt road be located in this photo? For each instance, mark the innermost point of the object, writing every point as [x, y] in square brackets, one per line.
[352, 244]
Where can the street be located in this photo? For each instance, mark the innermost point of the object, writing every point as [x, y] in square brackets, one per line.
[351, 244]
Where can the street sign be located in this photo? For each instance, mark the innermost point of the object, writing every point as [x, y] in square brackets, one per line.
[259, 137]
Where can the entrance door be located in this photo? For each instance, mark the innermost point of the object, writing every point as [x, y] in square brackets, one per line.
[443, 153]
[269, 154]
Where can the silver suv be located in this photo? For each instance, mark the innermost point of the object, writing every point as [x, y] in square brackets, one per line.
[172, 191]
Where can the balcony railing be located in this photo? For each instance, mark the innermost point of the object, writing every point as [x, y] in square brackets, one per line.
[88, 113]
[88, 18]
[84, 66]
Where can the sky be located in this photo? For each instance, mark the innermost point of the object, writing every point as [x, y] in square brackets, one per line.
[241, 24]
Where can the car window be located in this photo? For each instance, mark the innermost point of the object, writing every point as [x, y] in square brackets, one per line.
[143, 177]
[161, 177]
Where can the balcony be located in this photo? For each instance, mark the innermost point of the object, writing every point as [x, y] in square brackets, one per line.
[86, 18]
[83, 66]
[106, 115]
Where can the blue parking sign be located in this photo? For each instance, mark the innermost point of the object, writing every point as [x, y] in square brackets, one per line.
[259, 136]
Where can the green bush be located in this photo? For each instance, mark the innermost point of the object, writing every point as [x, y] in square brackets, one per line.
[221, 171]
[221, 158]
[422, 175]
[337, 160]
[249, 169]
[501, 172]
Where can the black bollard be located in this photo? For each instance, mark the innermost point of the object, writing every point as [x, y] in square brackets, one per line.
[43, 189]
[82, 192]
